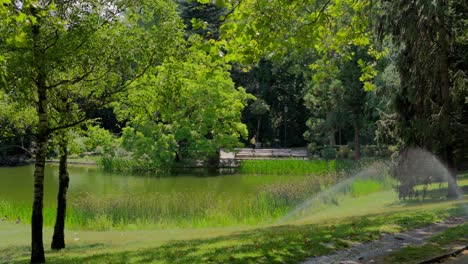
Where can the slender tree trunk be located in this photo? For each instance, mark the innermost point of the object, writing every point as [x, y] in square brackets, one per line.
[339, 137]
[258, 130]
[58, 239]
[37, 246]
[452, 171]
[357, 146]
[331, 137]
[444, 49]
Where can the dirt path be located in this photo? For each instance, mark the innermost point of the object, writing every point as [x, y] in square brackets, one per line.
[461, 259]
[367, 252]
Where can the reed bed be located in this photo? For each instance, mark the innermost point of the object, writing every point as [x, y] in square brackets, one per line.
[175, 210]
[294, 166]
[127, 165]
[161, 211]
[267, 204]
[178, 209]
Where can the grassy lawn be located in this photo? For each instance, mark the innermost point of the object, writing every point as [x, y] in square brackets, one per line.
[321, 229]
[332, 229]
[274, 244]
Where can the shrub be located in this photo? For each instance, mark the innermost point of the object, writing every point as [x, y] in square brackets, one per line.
[345, 152]
[328, 153]
[99, 140]
[312, 148]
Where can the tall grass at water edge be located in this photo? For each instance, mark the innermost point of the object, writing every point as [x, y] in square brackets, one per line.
[127, 165]
[162, 211]
[295, 166]
[275, 167]
[268, 204]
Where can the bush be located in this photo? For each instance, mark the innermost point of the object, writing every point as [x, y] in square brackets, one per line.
[368, 151]
[312, 148]
[345, 152]
[99, 140]
[328, 153]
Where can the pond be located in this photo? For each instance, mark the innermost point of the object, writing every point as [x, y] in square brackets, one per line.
[187, 199]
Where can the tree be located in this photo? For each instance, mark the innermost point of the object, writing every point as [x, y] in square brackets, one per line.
[258, 109]
[280, 83]
[427, 105]
[79, 54]
[354, 98]
[203, 19]
[325, 101]
[186, 108]
[339, 102]
[272, 30]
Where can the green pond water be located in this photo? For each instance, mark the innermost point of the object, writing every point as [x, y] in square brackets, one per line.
[16, 183]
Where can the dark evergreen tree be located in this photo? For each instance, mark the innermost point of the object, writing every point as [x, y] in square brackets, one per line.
[429, 103]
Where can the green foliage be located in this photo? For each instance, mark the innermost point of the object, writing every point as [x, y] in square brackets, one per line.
[339, 103]
[83, 58]
[427, 105]
[328, 113]
[328, 153]
[344, 152]
[16, 118]
[149, 145]
[76, 144]
[280, 85]
[186, 108]
[99, 140]
[259, 107]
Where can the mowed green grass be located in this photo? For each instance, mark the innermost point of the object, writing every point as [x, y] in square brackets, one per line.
[273, 244]
[321, 231]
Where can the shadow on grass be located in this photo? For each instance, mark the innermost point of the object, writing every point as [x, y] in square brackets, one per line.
[278, 244]
[9, 254]
[433, 196]
[21, 254]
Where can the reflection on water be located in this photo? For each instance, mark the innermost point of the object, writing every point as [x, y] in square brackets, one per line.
[16, 184]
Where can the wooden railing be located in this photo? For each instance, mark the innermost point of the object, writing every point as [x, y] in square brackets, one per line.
[249, 153]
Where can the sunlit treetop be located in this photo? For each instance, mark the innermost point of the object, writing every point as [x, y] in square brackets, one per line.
[254, 29]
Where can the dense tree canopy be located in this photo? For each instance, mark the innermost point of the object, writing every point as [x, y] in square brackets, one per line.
[176, 81]
[66, 57]
[186, 108]
[429, 107]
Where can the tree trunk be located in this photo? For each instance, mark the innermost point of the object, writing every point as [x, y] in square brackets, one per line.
[339, 137]
[331, 137]
[445, 102]
[357, 146]
[258, 130]
[452, 191]
[58, 239]
[37, 246]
